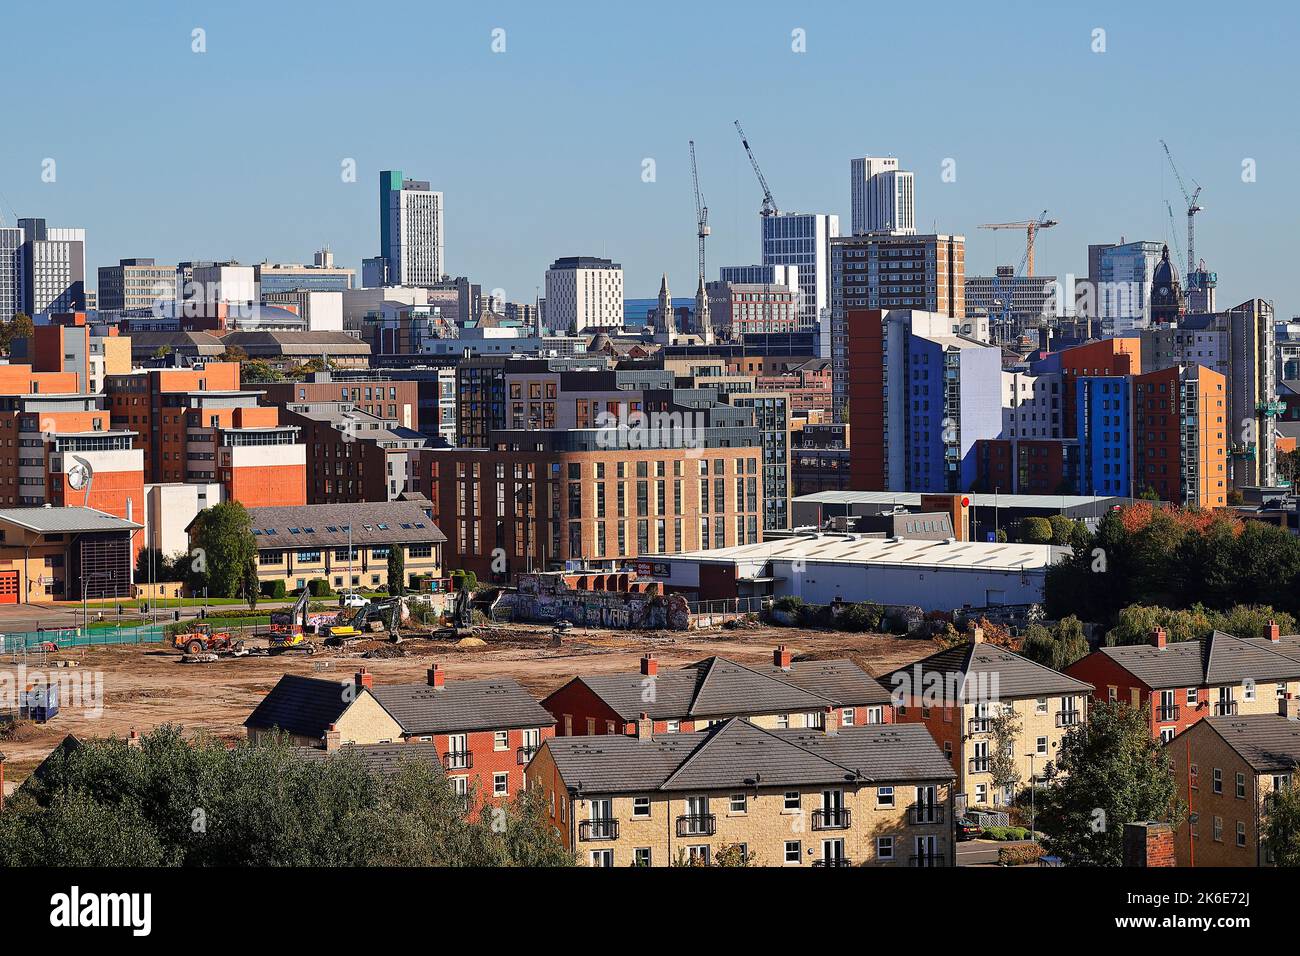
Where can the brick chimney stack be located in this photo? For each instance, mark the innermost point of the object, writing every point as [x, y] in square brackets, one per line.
[1148, 845]
[782, 658]
[1274, 632]
[365, 679]
[644, 727]
[831, 722]
[437, 677]
[977, 635]
[133, 739]
[649, 666]
[1159, 638]
[1288, 707]
[333, 738]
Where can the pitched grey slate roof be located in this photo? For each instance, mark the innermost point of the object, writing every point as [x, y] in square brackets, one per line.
[383, 759]
[373, 523]
[70, 518]
[303, 706]
[1288, 645]
[717, 687]
[462, 706]
[983, 664]
[736, 753]
[1219, 659]
[1267, 742]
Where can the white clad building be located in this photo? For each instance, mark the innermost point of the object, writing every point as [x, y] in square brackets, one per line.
[584, 292]
[411, 230]
[803, 240]
[883, 196]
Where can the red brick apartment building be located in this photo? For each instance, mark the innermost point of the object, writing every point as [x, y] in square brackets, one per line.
[392, 401]
[784, 694]
[1186, 681]
[196, 424]
[1180, 435]
[485, 730]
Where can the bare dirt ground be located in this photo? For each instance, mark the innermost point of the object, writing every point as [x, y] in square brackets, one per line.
[146, 685]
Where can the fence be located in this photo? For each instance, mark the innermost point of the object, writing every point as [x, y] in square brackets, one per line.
[719, 611]
[17, 644]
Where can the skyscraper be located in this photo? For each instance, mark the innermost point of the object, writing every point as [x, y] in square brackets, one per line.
[11, 273]
[53, 265]
[584, 292]
[803, 240]
[410, 230]
[883, 196]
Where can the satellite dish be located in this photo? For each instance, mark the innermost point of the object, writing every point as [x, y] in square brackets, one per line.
[81, 474]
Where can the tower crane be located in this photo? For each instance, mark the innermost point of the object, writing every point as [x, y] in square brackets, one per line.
[769, 204]
[1193, 207]
[1173, 232]
[1031, 228]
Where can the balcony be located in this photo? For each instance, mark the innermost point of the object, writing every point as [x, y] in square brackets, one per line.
[598, 830]
[833, 861]
[525, 754]
[1168, 712]
[924, 813]
[981, 725]
[700, 824]
[458, 759]
[979, 764]
[1225, 708]
[838, 818]
[1068, 718]
[930, 859]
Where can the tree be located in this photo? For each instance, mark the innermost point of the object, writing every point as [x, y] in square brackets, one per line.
[1036, 530]
[259, 371]
[1056, 647]
[19, 327]
[233, 353]
[397, 570]
[223, 547]
[1108, 772]
[1004, 733]
[1281, 830]
[177, 802]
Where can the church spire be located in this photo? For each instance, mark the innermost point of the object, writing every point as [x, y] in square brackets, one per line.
[667, 322]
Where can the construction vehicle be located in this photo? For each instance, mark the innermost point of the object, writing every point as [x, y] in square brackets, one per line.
[288, 630]
[202, 639]
[461, 616]
[391, 612]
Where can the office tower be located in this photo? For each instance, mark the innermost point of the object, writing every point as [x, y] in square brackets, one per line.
[883, 199]
[135, 284]
[787, 276]
[53, 265]
[584, 292]
[11, 273]
[410, 230]
[1123, 286]
[321, 276]
[803, 240]
[880, 271]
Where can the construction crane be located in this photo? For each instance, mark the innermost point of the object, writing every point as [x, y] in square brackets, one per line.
[1173, 230]
[1193, 207]
[769, 204]
[701, 212]
[1031, 228]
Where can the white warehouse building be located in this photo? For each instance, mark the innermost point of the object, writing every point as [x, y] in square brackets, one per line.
[821, 568]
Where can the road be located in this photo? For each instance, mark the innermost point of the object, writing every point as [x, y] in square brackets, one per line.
[982, 852]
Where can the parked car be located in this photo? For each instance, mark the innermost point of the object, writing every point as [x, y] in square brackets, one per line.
[968, 829]
[353, 599]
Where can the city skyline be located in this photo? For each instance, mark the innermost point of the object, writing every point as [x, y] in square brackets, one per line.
[538, 180]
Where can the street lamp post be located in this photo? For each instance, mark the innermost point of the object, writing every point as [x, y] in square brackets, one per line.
[1033, 785]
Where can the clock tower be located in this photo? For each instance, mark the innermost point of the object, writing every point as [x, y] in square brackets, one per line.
[1167, 304]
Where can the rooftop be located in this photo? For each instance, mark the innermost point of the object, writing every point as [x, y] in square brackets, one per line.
[1267, 742]
[69, 519]
[993, 670]
[1219, 659]
[371, 523]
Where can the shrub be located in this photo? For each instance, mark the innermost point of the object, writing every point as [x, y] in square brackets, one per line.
[1019, 855]
[274, 590]
[1036, 530]
[859, 617]
[464, 580]
[994, 833]
[789, 603]
[319, 587]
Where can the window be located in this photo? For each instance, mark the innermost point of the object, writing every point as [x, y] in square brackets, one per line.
[884, 848]
[501, 740]
[1241, 786]
[793, 852]
[1040, 746]
[792, 801]
[849, 716]
[641, 856]
[500, 784]
[602, 857]
[641, 807]
[1248, 690]
[1040, 705]
[884, 796]
[1218, 829]
[673, 726]
[739, 803]
[698, 854]
[1217, 778]
[1241, 833]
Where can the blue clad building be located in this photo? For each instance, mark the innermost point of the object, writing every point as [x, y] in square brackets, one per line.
[1105, 457]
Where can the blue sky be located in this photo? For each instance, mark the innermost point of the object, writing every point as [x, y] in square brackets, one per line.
[236, 152]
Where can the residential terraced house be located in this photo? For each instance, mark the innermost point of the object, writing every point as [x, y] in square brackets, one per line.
[852, 796]
[485, 730]
[1186, 681]
[959, 692]
[1227, 770]
[785, 694]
